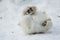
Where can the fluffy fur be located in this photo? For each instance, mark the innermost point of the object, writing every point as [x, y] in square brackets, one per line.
[35, 21]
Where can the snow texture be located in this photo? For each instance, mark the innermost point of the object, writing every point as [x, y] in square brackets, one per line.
[10, 15]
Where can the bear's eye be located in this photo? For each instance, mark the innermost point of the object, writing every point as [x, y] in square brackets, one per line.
[28, 11]
[31, 9]
[44, 23]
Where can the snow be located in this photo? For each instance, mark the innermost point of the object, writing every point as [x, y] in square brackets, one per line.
[10, 15]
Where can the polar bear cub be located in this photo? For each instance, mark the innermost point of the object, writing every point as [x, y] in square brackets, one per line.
[34, 21]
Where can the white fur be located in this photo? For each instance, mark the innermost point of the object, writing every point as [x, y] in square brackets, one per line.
[32, 23]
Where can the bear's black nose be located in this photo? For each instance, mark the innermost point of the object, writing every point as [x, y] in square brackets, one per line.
[44, 23]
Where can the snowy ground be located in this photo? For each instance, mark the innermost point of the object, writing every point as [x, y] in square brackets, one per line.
[9, 18]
